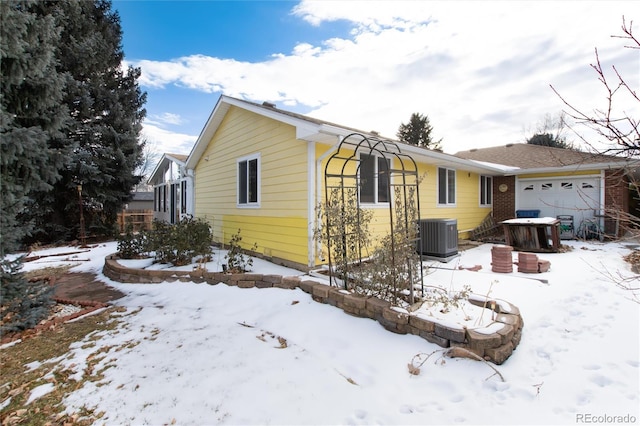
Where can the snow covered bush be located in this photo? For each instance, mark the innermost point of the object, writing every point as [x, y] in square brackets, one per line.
[176, 244]
[132, 245]
[237, 261]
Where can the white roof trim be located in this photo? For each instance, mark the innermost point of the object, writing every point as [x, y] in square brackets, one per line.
[576, 168]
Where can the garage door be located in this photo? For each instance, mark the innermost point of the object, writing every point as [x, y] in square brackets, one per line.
[578, 197]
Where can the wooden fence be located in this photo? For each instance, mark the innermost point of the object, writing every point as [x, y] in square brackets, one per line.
[140, 219]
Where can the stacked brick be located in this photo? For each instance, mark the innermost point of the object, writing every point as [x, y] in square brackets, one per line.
[543, 265]
[501, 260]
[495, 347]
[529, 263]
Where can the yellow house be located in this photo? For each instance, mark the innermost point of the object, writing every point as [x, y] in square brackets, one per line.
[260, 169]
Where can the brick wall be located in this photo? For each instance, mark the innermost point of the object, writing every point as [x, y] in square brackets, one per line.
[504, 203]
[616, 199]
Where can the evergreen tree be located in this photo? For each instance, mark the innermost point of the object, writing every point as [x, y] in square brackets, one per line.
[24, 303]
[106, 109]
[418, 132]
[547, 139]
[30, 113]
[550, 132]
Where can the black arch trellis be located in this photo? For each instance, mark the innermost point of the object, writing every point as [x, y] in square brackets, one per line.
[342, 174]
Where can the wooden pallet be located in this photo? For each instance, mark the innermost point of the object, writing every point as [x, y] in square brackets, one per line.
[487, 229]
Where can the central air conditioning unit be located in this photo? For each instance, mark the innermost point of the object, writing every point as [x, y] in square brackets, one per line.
[439, 238]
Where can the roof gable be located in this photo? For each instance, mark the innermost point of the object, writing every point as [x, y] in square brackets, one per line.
[307, 128]
[179, 159]
[315, 130]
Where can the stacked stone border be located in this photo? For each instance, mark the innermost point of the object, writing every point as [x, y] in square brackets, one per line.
[495, 347]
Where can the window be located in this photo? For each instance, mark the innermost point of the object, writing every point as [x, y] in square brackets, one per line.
[486, 190]
[374, 179]
[566, 185]
[528, 188]
[547, 186]
[248, 181]
[587, 185]
[446, 186]
[164, 198]
[161, 198]
[183, 197]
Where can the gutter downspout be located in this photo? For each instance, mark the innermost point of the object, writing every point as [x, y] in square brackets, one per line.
[311, 156]
[191, 196]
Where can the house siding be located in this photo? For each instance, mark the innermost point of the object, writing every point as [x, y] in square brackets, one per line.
[467, 210]
[559, 174]
[279, 224]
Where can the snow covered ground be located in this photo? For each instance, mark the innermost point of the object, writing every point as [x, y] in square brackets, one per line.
[199, 354]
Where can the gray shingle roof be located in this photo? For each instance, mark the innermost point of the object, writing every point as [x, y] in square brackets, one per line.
[527, 156]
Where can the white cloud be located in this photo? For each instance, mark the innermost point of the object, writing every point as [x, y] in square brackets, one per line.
[163, 141]
[164, 119]
[480, 70]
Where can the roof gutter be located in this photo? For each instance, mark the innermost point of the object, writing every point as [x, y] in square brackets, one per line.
[574, 168]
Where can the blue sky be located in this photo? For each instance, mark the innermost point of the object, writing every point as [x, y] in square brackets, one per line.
[480, 70]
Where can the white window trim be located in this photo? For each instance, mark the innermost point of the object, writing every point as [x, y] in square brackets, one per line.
[455, 188]
[248, 205]
[376, 203]
[490, 188]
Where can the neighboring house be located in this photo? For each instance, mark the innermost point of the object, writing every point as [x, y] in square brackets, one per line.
[138, 212]
[555, 181]
[260, 169]
[172, 189]
[141, 200]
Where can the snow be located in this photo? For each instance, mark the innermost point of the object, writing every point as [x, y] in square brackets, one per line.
[501, 167]
[199, 354]
[532, 221]
[5, 403]
[39, 392]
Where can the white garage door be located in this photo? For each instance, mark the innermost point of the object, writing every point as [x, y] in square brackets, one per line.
[578, 197]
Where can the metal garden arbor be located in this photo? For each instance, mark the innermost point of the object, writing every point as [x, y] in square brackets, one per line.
[363, 172]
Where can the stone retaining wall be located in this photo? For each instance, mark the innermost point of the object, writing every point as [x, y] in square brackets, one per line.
[495, 347]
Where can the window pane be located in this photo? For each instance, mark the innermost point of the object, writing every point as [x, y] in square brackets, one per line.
[183, 196]
[451, 190]
[384, 165]
[253, 181]
[486, 190]
[242, 182]
[367, 178]
[442, 186]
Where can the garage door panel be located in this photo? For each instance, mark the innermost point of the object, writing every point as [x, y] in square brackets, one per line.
[578, 197]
